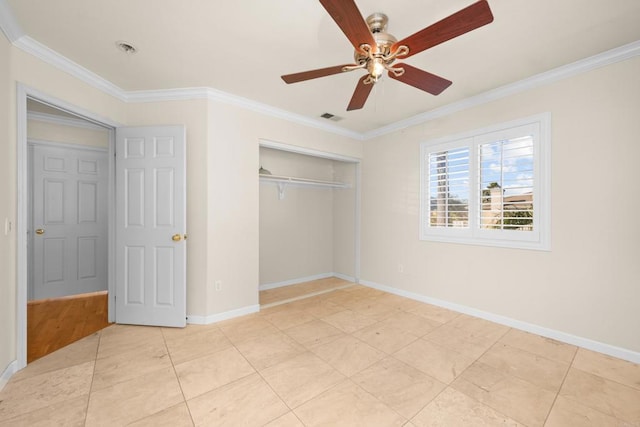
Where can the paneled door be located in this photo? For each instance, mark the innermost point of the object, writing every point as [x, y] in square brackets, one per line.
[69, 221]
[151, 226]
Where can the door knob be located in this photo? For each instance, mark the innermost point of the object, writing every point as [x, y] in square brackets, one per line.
[176, 237]
[40, 231]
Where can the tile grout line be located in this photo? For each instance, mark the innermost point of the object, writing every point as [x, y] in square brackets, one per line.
[564, 378]
[258, 372]
[449, 385]
[93, 374]
[387, 355]
[292, 357]
[499, 411]
[173, 366]
[346, 377]
[263, 379]
[392, 355]
[533, 354]
[51, 371]
[407, 420]
[602, 378]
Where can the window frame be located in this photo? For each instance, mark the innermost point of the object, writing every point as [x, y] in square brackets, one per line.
[539, 126]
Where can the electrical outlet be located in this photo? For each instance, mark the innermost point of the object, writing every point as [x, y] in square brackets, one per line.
[218, 285]
[400, 268]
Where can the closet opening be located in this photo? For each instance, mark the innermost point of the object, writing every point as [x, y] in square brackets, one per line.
[309, 222]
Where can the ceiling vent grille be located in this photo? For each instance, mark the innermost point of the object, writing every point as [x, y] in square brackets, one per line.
[331, 117]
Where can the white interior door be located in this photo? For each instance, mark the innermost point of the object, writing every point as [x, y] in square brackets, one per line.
[69, 221]
[151, 226]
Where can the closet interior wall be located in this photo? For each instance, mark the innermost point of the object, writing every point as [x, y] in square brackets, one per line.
[310, 232]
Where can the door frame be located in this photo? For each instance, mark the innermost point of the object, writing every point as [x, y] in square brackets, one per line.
[24, 92]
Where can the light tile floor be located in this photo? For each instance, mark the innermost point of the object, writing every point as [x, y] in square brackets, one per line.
[351, 357]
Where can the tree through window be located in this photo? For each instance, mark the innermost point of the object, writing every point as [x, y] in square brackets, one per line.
[489, 187]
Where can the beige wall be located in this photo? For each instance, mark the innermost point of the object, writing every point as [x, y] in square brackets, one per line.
[296, 233]
[17, 66]
[222, 160]
[312, 230]
[587, 285]
[54, 132]
[38, 75]
[7, 210]
[344, 221]
[233, 202]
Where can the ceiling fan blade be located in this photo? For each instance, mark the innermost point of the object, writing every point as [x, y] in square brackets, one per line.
[314, 74]
[421, 79]
[346, 14]
[461, 22]
[360, 95]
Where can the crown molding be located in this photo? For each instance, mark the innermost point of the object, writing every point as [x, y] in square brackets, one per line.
[8, 23]
[609, 57]
[227, 98]
[63, 63]
[15, 34]
[258, 107]
[55, 59]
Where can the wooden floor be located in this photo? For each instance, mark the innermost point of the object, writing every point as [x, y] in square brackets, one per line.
[284, 294]
[57, 322]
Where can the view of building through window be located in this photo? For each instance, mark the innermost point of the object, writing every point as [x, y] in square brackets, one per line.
[489, 186]
[505, 183]
[449, 181]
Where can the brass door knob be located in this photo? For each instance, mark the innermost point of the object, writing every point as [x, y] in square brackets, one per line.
[176, 237]
[40, 231]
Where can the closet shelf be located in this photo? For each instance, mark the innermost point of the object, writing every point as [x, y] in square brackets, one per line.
[303, 181]
[281, 181]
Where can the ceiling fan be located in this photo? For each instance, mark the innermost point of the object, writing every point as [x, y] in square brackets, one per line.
[376, 50]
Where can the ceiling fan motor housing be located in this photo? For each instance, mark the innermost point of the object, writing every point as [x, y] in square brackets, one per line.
[377, 23]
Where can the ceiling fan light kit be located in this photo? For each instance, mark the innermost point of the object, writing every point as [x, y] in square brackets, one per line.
[376, 50]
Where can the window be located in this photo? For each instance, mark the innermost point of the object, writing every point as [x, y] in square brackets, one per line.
[449, 187]
[489, 187]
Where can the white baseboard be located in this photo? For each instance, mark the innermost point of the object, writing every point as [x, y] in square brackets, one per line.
[207, 320]
[305, 296]
[11, 369]
[345, 277]
[219, 317]
[275, 285]
[620, 353]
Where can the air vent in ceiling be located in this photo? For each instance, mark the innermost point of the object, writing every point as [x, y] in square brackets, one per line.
[331, 117]
[126, 47]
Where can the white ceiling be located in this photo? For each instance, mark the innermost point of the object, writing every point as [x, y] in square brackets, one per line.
[243, 46]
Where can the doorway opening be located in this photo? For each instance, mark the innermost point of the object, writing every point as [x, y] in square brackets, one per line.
[67, 173]
[64, 223]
